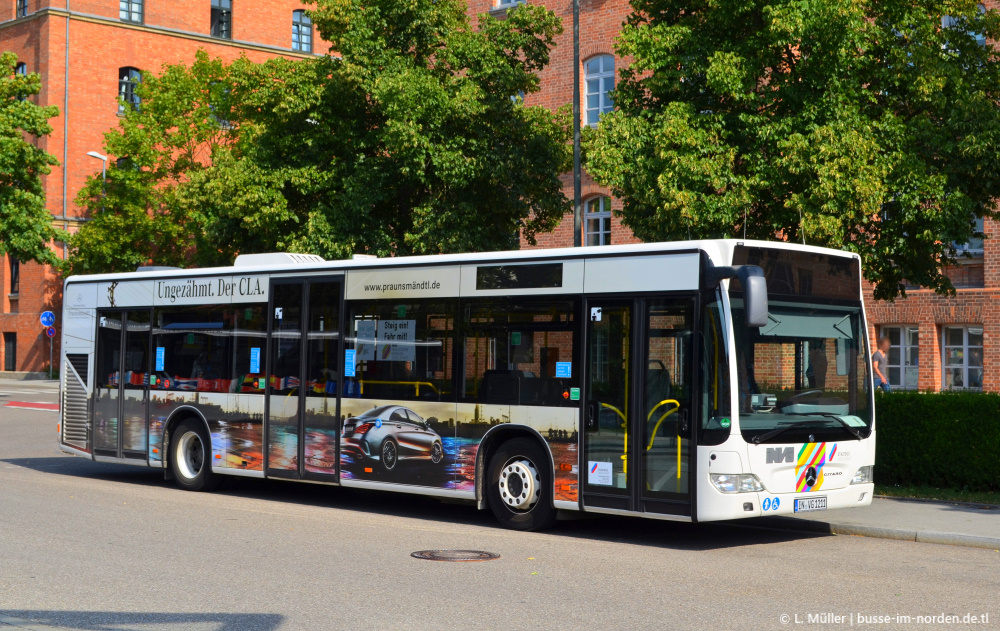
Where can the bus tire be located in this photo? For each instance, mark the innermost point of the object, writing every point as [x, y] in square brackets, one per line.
[190, 457]
[519, 486]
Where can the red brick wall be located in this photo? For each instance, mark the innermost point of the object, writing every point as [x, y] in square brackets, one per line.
[99, 44]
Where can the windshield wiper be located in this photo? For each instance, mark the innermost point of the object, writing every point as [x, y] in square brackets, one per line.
[835, 417]
[774, 432]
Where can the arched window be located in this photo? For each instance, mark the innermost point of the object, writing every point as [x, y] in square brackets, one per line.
[127, 79]
[302, 32]
[130, 10]
[597, 212]
[222, 19]
[21, 9]
[599, 79]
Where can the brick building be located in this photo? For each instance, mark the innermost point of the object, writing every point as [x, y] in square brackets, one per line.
[85, 52]
[938, 342]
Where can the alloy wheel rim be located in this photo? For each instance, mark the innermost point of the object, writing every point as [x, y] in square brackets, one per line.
[389, 454]
[520, 484]
[190, 455]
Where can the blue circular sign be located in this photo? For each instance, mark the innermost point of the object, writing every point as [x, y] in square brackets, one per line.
[766, 504]
[775, 503]
[48, 318]
[378, 423]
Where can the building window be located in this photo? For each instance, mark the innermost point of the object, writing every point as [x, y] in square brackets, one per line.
[14, 267]
[948, 21]
[903, 359]
[130, 10]
[599, 77]
[21, 70]
[974, 246]
[598, 215]
[10, 351]
[302, 32]
[963, 357]
[506, 4]
[128, 78]
[21, 9]
[222, 19]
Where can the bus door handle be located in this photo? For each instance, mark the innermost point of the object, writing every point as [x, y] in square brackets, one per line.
[591, 415]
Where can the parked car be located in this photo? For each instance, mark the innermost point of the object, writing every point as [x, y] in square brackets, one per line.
[390, 434]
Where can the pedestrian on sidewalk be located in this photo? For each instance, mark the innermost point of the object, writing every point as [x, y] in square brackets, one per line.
[879, 362]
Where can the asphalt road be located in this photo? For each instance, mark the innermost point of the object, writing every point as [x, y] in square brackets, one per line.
[90, 546]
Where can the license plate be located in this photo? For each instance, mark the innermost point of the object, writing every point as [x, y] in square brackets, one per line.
[810, 504]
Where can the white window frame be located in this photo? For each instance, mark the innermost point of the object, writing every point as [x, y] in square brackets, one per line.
[965, 349]
[602, 214]
[506, 4]
[128, 77]
[597, 84]
[21, 9]
[905, 369]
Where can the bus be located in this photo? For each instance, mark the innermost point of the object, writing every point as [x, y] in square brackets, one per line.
[690, 381]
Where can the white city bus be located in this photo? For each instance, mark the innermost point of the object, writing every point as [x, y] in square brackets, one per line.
[691, 381]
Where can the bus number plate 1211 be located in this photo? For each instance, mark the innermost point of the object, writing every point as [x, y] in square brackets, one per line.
[810, 504]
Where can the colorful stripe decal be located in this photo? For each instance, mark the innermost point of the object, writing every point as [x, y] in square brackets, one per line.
[811, 455]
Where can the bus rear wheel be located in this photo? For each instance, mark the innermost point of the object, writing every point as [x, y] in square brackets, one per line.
[190, 457]
[519, 486]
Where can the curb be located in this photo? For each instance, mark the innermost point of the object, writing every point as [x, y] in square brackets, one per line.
[877, 532]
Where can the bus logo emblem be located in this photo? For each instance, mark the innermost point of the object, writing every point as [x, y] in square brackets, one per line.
[777, 455]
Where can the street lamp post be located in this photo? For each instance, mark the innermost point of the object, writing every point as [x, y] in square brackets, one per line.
[577, 186]
[104, 172]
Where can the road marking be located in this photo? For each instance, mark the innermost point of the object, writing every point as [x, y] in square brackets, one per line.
[31, 405]
[26, 624]
[39, 391]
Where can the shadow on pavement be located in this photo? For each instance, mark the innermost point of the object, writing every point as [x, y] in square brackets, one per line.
[117, 621]
[630, 530]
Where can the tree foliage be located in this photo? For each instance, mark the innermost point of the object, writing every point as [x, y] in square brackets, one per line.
[26, 228]
[412, 140]
[847, 123]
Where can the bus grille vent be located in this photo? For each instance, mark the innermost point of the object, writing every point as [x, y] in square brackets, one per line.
[74, 408]
[79, 362]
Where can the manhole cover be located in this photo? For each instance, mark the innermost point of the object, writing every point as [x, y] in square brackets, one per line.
[455, 555]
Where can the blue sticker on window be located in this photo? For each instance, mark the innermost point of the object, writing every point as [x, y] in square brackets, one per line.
[255, 359]
[378, 423]
[160, 353]
[349, 363]
[564, 370]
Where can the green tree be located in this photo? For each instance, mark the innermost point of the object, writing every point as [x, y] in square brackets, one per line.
[26, 228]
[414, 139]
[871, 126]
[140, 213]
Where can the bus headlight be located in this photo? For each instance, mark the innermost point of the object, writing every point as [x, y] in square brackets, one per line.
[863, 476]
[741, 483]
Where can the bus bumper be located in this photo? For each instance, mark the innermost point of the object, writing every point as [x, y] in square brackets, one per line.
[739, 505]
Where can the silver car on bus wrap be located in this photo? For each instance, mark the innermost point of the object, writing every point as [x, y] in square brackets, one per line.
[390, 434]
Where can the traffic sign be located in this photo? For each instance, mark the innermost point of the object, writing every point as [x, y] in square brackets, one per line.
[51, 332]
[48, 318]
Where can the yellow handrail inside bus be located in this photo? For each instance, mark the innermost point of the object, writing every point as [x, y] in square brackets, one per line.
[652, 436]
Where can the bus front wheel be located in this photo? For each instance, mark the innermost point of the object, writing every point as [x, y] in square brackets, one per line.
[519, 486]
[190, 457]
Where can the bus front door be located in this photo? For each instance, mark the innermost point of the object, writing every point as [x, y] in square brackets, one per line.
[121, 392]
[638, 405]
[304, 379]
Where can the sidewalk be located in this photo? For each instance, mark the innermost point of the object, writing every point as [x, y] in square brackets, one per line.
[923, 521]
[34, 385]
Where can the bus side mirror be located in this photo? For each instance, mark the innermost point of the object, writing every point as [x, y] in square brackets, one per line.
[754, 287]
[755, 300]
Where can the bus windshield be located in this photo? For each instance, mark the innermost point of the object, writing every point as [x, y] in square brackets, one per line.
[804, 375]
[806, 371]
